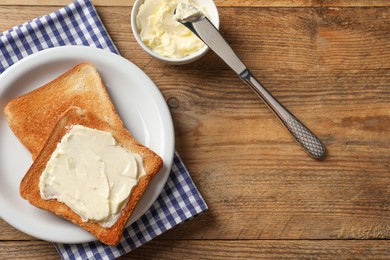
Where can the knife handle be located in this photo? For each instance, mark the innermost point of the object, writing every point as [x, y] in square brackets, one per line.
[308, 141]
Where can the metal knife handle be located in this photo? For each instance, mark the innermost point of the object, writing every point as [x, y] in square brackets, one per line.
[308, 141]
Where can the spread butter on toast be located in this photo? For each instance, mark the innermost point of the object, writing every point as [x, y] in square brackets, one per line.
[29, 187]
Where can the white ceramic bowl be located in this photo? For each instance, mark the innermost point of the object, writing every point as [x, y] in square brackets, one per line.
[212, 14]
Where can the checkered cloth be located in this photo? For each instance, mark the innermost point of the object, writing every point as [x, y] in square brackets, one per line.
[79, 24]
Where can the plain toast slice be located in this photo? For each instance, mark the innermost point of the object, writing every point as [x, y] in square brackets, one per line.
[29, 187]
[33, 115]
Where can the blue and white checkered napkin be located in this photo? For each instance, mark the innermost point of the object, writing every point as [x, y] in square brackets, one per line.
[79, 24]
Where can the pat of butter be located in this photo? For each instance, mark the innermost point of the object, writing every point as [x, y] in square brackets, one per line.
[160, 31]
[92, 174]
[186, 11]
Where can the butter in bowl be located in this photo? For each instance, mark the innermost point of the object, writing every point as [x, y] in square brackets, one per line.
[161, 36]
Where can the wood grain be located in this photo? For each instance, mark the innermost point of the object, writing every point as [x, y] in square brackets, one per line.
[220, 249]
[230, 3]
[261, 249]
[27, 250]
[9, 233]
[328, 62]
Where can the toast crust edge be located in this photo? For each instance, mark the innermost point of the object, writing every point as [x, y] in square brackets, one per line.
[81, 86]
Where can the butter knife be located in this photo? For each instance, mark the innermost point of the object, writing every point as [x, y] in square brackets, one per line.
[206, 31]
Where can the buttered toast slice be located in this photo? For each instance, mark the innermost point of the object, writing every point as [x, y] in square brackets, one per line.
[30, 188]
[33, 115]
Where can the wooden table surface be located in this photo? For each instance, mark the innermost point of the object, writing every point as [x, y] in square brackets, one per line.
[328, 62]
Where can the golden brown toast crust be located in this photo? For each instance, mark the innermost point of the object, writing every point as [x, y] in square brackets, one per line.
[29, 187]
[32, 116]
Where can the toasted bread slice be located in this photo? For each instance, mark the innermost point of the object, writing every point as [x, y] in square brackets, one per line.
[33, 115]
[29, 187]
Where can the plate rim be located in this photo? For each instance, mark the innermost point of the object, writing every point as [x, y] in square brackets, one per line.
[157, 96]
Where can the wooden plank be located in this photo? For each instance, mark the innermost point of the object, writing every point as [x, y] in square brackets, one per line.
[317, 40]
[221, 249]
[261, 249]
[28, 250]
[231, 3]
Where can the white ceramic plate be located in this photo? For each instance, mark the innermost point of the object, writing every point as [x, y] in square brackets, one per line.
[138, 102]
